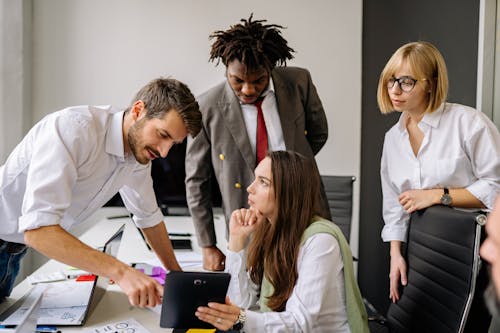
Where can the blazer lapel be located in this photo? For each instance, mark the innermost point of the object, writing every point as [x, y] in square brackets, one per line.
[231, 112]
[282, 93]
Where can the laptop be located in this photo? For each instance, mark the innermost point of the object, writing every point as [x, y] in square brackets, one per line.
[68, 303]
[101, 283]
[184, 292]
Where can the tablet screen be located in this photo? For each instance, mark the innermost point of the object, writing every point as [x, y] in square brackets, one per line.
[184, 292]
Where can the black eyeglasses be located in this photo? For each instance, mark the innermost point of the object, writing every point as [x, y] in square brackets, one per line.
[406, 83]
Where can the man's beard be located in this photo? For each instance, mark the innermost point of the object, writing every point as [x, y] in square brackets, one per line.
[492, 301]
[133, 140]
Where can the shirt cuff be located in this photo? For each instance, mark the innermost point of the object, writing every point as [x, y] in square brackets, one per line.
[235, 260]
[254, 322]
[484, 192]
[395, 232]
[36, 220]
[150, 220]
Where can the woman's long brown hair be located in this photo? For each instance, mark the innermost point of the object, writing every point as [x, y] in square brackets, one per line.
[274, 247]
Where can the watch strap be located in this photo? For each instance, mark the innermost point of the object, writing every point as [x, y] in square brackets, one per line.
[446, 198]
[242, 317]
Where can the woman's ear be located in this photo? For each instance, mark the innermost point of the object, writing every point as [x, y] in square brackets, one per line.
[431, 84]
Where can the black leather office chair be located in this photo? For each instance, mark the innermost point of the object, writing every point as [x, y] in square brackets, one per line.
[339, 193]
[443, 263]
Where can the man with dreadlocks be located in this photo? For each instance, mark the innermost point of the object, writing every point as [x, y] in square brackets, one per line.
[259, 93]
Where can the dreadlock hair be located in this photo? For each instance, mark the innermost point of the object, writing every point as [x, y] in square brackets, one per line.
[253, 43]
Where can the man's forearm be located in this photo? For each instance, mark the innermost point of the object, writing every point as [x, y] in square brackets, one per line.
[157, 237]
[56, 243]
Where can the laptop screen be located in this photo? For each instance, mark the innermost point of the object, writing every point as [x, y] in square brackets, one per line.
[111, 248]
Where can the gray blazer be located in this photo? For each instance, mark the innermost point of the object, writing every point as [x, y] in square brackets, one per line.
[223, 144]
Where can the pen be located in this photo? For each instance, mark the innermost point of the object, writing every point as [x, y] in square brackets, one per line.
[118, 217]
[47, 329]
[177, 234]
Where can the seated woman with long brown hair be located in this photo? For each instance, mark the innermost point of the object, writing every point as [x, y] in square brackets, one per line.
[291, 270]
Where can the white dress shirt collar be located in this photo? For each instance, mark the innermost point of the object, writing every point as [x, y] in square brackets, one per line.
[270, 87]
[432, 119]
[114, 137]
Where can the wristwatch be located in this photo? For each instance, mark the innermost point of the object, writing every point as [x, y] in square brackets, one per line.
[446, 197]
[242, 317]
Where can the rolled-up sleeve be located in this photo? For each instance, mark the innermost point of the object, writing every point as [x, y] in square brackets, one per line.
[483, 147]
[396, 219]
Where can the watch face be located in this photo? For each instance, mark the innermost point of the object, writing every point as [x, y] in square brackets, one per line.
[446, 199]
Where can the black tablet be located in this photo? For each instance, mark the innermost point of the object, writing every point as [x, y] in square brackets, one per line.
[184, 292]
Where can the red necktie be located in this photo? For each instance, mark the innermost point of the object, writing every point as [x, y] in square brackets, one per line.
[261, 143]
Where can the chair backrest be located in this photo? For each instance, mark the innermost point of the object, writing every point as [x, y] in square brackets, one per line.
[443, 262]
[338, 190]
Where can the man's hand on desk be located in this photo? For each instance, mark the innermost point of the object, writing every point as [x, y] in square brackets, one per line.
[213, 259]
[141, 289]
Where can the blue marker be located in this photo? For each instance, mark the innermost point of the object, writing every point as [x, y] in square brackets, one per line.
[47, 329]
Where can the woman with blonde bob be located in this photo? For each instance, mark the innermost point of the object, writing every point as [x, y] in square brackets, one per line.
[437, 153]
[291, 268]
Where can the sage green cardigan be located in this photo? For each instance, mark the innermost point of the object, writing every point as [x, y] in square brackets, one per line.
[356, 312]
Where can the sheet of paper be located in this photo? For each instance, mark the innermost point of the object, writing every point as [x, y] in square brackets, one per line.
[57, 294]
[123, 326]
[62, 316]
[58, 316]
[62, 303]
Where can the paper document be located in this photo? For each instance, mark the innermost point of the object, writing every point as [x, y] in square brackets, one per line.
[63, 303]
[67, 294]
[123, 326]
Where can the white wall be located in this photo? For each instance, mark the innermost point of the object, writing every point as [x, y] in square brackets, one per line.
[102, 52]
[15, 69]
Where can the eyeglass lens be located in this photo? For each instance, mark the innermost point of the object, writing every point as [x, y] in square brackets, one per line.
[406, 83]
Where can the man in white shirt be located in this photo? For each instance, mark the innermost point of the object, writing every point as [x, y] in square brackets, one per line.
[72, 162]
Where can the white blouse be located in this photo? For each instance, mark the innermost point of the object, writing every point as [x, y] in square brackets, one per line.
[317, 302]
[68, 166]
[460, 149]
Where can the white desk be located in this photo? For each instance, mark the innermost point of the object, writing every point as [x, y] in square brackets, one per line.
[114, 305]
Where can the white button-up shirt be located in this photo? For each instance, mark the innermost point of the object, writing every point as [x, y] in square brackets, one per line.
[317, 302]
[271, 118]
[460, 149]
[68, 166]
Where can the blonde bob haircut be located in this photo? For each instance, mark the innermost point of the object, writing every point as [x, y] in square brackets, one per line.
[427, 65]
